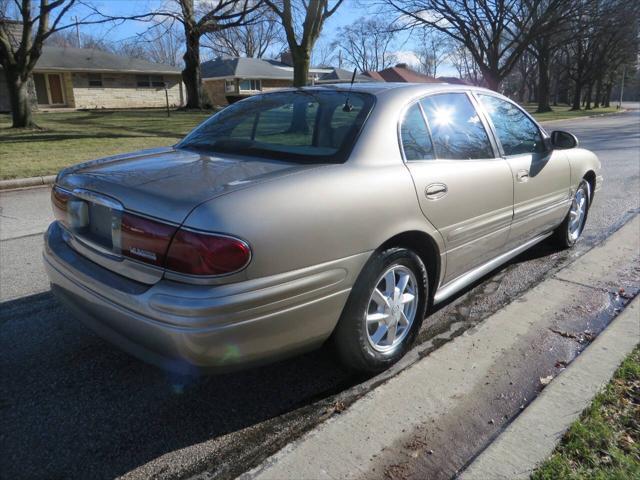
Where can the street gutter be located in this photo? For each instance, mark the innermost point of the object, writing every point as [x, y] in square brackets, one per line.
[533, 436]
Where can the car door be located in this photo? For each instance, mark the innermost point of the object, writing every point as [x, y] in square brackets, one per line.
[541, 176]
[463, 189]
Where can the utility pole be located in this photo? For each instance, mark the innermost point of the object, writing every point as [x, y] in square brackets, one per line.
[624, 71]
[77, 32]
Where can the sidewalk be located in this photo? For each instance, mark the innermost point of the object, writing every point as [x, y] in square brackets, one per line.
[425, 422]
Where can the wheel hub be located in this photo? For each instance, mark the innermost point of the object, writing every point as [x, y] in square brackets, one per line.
[392, 308]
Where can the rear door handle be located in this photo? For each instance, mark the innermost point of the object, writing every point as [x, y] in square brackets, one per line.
[522, 176]
[435, 191]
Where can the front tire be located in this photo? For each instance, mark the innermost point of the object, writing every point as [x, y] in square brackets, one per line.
[384, 311]
[569, 231]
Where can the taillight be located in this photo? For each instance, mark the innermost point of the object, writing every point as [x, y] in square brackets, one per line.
[145, 240]
[60, 202]
[198, 253]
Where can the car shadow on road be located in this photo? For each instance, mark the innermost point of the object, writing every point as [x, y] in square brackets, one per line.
[72, 405]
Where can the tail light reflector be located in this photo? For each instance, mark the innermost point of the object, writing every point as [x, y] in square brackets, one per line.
[198, 253]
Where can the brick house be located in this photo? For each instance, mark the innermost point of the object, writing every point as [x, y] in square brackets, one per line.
[85, 78]
[226, 80]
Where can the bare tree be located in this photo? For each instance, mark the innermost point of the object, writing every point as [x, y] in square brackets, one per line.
[72, 39]
[196, 20]
[326, 53]
[433, 49]
[302, 22]
[496, 32]
[23, 33]
[209, 17]
[465, 64]
[251, 40]
[601, 39]
[164, 45]
[367, 44]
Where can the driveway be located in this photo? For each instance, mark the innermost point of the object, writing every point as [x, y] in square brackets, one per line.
[73, 406]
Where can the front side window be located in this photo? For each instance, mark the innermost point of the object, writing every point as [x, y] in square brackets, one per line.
[95, 80]
[302, 126]
[416, 141]
[456, 130]
[517, 133]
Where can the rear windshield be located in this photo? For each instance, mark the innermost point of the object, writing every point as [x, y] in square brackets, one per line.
[306, 126]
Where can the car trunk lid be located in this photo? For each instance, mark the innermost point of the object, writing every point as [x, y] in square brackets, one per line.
[168, 183]
[132, 205]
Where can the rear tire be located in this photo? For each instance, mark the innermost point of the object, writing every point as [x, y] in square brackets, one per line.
[570, 230]
[384, 311]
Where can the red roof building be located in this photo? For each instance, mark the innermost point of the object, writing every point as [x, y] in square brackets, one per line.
[400, 73]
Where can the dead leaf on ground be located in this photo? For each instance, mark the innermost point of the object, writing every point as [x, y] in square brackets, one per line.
[546, 380]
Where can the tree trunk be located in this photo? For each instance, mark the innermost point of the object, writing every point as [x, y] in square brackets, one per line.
[301, 62]
[191, 73]
[543, 81]
[491, 80]
[577, 95]
[522, 89]
[607, 95]
[19, 98]
[587, 98]
[598, 98]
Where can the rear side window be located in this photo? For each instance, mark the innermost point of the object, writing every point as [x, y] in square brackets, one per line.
[456, 129]
[416, 141]
[517, 132]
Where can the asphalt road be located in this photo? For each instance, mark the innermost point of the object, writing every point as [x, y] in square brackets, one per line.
[73, 406]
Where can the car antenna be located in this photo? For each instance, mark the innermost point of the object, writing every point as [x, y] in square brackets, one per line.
[347, 106]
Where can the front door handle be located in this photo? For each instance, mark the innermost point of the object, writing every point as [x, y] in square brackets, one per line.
[522, 176]
[435, 191]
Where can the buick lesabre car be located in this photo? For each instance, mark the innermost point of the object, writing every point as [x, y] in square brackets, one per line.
[300, 216]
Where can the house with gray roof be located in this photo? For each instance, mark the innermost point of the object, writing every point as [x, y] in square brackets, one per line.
[226, 80]
[86, 78]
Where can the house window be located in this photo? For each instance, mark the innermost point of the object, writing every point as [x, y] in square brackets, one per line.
[229, 86]
[250, 85]
[149, 81]
[95, 80]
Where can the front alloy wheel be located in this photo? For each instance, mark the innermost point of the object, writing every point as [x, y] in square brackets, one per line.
[569, 231]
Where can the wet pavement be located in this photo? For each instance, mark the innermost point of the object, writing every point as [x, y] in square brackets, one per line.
[73, 406]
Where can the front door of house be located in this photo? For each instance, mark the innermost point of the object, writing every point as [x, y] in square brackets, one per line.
[55, 89]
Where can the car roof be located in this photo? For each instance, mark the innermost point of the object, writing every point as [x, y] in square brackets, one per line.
[396, 89]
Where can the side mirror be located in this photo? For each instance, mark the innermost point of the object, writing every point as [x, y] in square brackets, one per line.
[563, 140]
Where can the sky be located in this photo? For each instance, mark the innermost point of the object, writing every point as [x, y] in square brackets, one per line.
[348, 13]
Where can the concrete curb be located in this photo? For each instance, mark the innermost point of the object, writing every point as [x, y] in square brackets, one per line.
[27, 182]
[533, 436]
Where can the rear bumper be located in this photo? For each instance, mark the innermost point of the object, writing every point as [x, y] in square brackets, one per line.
[187, 328]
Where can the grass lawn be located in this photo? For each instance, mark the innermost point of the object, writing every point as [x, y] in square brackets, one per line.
[72, 137]
[563, 112]
[605, 442]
